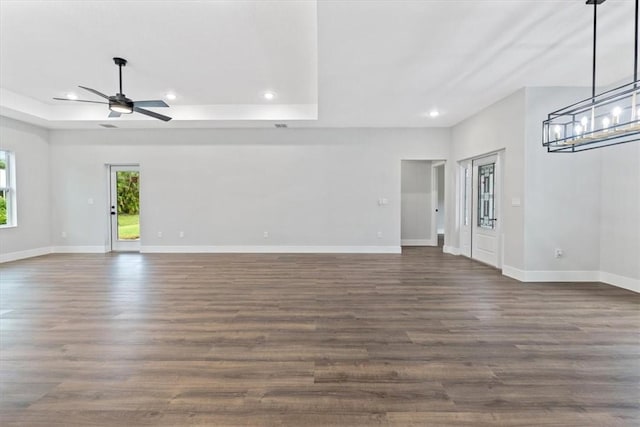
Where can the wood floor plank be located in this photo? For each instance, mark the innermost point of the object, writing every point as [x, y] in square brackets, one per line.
[417, 339]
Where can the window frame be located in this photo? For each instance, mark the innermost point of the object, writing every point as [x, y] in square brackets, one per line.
[10, 189]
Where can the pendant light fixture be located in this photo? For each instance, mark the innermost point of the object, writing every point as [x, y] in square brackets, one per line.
[609, 118]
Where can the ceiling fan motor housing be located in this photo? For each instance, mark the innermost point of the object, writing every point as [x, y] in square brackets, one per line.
[120, 104]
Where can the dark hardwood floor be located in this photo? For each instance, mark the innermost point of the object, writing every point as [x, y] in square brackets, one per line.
[419, 339]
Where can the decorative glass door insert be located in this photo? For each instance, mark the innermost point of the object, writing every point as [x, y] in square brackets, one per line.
[486, 200]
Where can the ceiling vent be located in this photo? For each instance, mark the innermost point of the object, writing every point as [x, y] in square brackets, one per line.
[281, 125]
[108, 126]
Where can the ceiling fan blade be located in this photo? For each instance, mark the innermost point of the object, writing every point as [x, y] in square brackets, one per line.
[151, 114]
[94, 92]
[80, 100]
[114, 114]
[154, 103]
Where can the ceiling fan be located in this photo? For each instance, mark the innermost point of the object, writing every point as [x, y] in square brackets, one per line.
[120, 104]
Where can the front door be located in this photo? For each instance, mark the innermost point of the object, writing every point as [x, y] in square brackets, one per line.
[125, 208]
[485, 224]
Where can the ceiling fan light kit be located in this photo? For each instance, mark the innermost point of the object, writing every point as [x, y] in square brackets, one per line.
[119, 104]
[609, 118]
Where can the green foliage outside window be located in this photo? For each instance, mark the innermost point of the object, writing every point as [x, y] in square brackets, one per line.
[128, 193]
[3, 211]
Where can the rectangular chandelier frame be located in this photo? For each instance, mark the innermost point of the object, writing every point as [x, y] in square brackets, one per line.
[610, 118]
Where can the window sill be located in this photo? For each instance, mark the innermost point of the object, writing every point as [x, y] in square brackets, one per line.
[8, 226]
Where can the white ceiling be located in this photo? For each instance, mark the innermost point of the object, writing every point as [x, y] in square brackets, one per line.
[332, 63]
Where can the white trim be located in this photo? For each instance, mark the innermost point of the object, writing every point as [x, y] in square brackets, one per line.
[451, 250]
[572, 276]
[79, 249]
[563, 276]
[434, 208]
[514, 273]
[274, 249]
[550, 276]
[418, 242]
[620, 281]
[29, 253]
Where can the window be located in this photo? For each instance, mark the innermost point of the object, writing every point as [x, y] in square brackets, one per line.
[7, 189]
[486, 202]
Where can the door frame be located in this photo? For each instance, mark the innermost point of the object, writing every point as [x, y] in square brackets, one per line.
[434, 197]
[465, 200]
[471, 192]
[119, 246]
[433, 240]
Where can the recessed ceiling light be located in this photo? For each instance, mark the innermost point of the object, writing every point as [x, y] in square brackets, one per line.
[269, 96]
[171, 96]
[72, 96]
[434, 113]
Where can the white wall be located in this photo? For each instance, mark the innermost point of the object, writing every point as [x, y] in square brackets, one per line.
[315, 188]
[620, 213]
[31, 236]
[498, 127]
[562, 202]
[416, 203]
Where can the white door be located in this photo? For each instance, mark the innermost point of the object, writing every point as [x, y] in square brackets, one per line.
[485, 239]
[124, 207]
[465, 173]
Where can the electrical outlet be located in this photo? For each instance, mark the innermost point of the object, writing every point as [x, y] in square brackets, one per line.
[379, 234]
[181, 234]
[64, 234]
[265, 234]
[559, 253]
[160, 234]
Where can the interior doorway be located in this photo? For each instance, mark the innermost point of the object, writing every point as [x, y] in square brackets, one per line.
[124, 207]
[480, 202]
[417, 206]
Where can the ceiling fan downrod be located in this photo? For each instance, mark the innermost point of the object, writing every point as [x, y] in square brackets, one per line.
[120, 62]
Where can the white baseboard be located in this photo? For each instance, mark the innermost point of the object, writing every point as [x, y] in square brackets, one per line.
[274, 249]
[514, 273]
[418, 242]
[620, 281]
[572, 276]
[550, 276]
[451, 250]
[563, 276]
[79, 249]
[30, 253]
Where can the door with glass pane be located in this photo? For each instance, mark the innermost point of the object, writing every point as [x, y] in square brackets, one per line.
[485, 239]
[125, 208]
